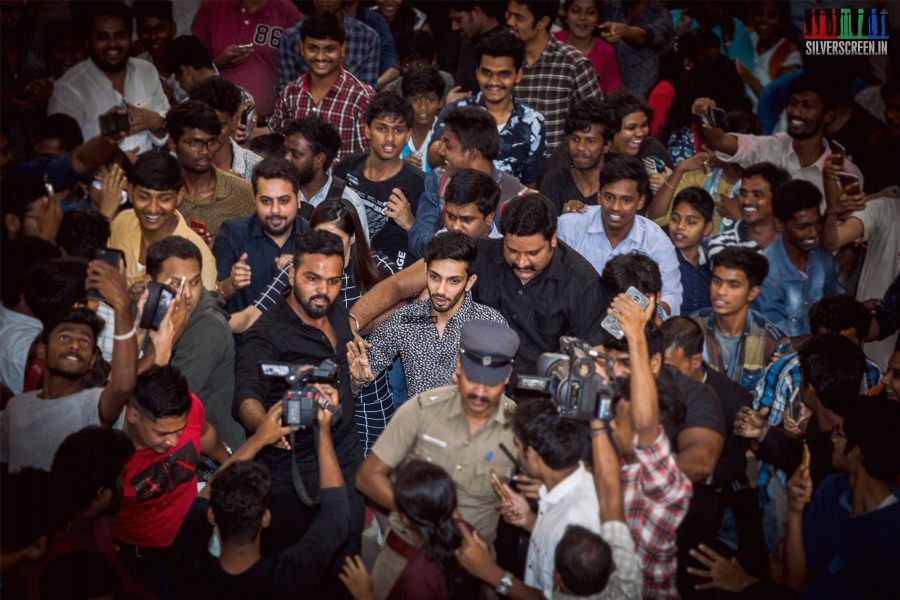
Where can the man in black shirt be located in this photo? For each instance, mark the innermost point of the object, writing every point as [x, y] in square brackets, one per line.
[308, 327]
[388, 186]
[540, 285]
[472, 20]
[574, 186]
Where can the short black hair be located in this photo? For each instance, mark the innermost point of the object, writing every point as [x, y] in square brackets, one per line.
[239, 496]
[173, 246]
[188, 51]
[754, 265]
[452, 246]
[270, 145]
[317, 241]
[323, 26]
[192, 114]
[490, 8]
[80, 574]
[793, 196]
[619, 105]
[527, 215]
[684, 333]
[699, 199]
[54, 285]
[321, 135]
[558, 441]
[104, 8]
[19, 192]
[831, 95]
[389, 106]
[586, 114]
[30, 508]
[59, 126]
[157, 170]
[82, 232]
[625, 167]
[82, 316]
[275, 168]
[583, 560]
[424, 79]
[470, 185]
[155, 9]
[476, 130]
[415, 45]
[834, 367]
[18, 257]
[873, 425]
[161, 392]
[222, 95]
[775, 176]
[632, 269]
[86, 461]
[840, 312]
[498, 44]
[542, 8]
[655, 342]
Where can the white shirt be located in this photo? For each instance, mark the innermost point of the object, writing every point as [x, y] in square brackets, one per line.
[17, 333]
[85, 93]
[572, 502]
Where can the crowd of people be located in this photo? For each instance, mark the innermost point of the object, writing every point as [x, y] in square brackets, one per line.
[398, 299]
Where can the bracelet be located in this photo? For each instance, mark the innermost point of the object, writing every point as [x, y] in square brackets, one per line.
[595, 431]
[355, 320]
[126, 336]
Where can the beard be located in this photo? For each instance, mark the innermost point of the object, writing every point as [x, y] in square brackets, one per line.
[288, 223]
[312, 310]
[307, 174]
[71, 376]
[452, 302]
[111, 68]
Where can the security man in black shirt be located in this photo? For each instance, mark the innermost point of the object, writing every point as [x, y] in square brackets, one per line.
[543, 288]
[307, 327]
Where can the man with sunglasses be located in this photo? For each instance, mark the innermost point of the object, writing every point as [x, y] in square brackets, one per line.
[211, 195]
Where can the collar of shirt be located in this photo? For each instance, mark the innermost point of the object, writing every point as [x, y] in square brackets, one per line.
[319, 196]
[711, 327]
[518, 109]
[263, 11]
[218, 192]
[501, 417]
[550, 53]
[564, 488]
[335, 86]
[635, 237]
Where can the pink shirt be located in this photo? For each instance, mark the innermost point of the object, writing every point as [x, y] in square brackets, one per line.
[603, 58]
[221, 23]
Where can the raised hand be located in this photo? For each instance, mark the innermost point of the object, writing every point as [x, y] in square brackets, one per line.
[399, 211]
[800, 490]
[751, 424]
[360, 369]
[241, 273]
[355, 576]
[232, 56]
[722, 573]
[632, 318]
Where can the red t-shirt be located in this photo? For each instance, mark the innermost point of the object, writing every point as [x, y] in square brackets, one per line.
[159, 488]
[603, 58]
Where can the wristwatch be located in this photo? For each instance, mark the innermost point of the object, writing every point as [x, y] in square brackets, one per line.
[505, 584]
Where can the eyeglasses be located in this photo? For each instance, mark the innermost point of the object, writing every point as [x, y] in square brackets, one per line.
[212, 144]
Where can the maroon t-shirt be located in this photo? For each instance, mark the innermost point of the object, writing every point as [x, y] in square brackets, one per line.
[419, 579]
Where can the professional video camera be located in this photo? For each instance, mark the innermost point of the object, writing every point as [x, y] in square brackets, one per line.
[570, 379]
[302, 400]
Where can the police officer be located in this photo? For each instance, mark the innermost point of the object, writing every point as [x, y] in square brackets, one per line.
[459, 427]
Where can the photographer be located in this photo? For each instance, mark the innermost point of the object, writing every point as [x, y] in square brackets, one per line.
[307, 327]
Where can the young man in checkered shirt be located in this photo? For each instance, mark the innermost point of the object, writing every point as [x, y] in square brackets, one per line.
[656, 492]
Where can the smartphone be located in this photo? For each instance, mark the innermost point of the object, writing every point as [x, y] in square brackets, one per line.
[247, 119]
[603, 29]
[806, 458]
[498, 486]
[111, 257]
[718, 118]
[654, 165]
[837, 148]
[200, 228]
[245, 47]
[849, 182]
[794, 405]
[159, 297]
[181, 286]
[114, 124]
[611, 323]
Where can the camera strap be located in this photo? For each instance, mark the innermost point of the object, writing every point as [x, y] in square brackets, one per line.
[299, 486]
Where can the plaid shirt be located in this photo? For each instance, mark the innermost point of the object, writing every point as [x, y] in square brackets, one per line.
[760, 341]
[363, 47]
[522, 138]
[561, 78]
[657, 495]
[774, 391]
[343, 106]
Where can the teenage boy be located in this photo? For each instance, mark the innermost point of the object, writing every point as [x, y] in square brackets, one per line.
[327, 89]
[614, 227]
[470, 202]
[34, 424]
[167, 425]
[800, 272]
[556, 76]
[388, 186]
[426, 334]
[424, 89]
[690, 223]
[416, 50]
[246, 250]
[470, 141]
[522, 142]
[576, 186]
[803, 151]
[472, 19]
[756, 229]
[739, 342]
[211, 195]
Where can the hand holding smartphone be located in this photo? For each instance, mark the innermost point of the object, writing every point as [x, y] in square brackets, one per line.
[611, 323]
[498, 487]
[849, 183]
[110, 256]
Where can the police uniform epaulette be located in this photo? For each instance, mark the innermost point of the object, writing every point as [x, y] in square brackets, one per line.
[436, 396]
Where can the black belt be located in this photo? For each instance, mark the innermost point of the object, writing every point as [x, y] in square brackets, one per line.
[141, 552]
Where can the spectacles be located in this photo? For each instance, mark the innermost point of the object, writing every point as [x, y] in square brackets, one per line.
[212, 144]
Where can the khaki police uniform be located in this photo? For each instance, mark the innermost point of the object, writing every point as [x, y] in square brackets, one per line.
[432, 426]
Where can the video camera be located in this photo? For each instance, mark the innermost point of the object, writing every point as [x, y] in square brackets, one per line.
[570, 379]
[302, 401]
